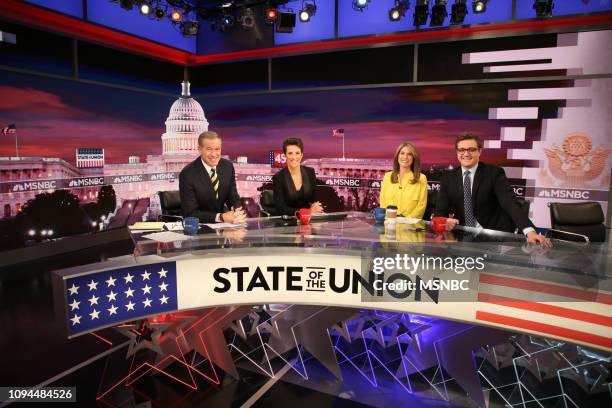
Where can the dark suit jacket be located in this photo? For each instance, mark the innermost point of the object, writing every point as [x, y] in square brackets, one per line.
[495, 205]
[285, 195]
[198, 196]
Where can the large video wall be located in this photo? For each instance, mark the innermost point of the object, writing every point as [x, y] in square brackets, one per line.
[546, 124]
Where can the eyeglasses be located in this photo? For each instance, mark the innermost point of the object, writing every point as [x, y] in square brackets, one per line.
[468, 150]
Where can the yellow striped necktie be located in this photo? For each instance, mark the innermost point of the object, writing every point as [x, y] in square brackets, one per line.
[215, 182]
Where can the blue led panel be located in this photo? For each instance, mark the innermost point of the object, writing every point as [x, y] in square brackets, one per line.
[524, 8]
[320, 26]
[71, 7]
[374, 19]
[112, 15]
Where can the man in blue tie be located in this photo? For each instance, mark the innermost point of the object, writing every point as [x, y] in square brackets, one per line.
[479, 195]
[208, 185]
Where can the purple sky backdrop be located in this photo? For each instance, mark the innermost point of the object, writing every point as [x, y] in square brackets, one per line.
[54, 117]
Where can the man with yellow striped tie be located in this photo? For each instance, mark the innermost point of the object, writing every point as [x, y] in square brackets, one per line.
[208, 185]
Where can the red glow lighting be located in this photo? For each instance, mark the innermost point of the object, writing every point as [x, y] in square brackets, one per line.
[271, 15]
[176, 16]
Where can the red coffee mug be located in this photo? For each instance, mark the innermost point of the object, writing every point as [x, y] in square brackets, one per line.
[303, 215]
[438, 224]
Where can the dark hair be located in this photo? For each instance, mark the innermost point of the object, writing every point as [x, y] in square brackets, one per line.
[293, 141]
[207, 135]
[468, 136]
[415, 167]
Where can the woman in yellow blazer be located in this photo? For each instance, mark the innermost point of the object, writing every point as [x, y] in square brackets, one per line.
[405, 186]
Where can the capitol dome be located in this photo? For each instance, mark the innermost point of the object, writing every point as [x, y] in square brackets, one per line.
[184, 124]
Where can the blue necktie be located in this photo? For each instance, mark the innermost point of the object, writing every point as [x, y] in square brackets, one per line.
[468, 206]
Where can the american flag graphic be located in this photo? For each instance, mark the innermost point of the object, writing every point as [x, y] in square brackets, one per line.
[10, 129]
[337, 132]
[551, 309]
[111, 297]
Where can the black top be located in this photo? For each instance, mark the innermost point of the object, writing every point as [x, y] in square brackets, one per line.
[197, 194]
[287, 199]
[495, 205]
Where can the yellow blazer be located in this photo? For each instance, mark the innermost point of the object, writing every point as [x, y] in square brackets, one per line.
[410, 199]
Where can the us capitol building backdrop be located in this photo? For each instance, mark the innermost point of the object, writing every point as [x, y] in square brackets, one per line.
[21, 178]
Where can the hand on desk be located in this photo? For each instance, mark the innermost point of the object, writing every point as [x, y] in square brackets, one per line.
[234, 234]
[237, 216]
[533, 237]
[451, 223]
[316, 207]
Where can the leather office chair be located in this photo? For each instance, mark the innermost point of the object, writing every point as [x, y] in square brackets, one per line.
[524, 205]
[577, 221]
[170, 202]
[267, 203]
[250, 207]
[432, 198]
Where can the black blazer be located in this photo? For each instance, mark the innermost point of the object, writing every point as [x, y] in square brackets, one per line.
[198, 196]
[286, 197]
[495, 205]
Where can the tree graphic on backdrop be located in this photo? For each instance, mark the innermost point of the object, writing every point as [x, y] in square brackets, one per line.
[107, 199]
[59, 211]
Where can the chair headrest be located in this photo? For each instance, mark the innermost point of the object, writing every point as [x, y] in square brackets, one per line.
[576, 213]
[268, 198]
[170, 199]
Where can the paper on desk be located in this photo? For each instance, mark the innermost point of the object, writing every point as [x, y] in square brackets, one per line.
[167, 236]
[221, 225]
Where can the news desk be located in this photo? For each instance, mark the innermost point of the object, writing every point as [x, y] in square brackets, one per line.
[394, 306]
[492, 278]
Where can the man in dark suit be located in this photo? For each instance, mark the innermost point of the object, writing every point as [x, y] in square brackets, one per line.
[479, 195]
[208, 185]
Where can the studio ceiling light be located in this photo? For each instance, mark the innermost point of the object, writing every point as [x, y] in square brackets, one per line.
[309, 9]
[543, 8]
[271, 15]
[145, 8]
[285, 22]
[479, 6]
[176, 16]
[360, 5]
[421, 12]
[458, 12]
[398, 10]
[438, 13]
[189, 28]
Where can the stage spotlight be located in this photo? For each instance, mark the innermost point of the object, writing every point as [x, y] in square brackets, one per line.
[543, 8]
[159, 13]
[145, 8]
[479, 6]
[421, 12]
[189, 28]
[285, 21]
[227, 21]
[271, 15]
[176, 16]
[359, 5]
[458, 12]
[308, 10]
[247, 20]
[398, 10]
[438, 13]
[126, 4]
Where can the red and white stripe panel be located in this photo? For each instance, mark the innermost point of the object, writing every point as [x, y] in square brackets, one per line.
[548, 309]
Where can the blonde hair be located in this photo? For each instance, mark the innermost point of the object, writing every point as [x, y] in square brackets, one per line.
[415, 167]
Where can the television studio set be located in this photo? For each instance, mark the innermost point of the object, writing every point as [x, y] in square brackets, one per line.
[306, 203]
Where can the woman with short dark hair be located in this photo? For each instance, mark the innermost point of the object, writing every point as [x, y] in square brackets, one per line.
[295, 185]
